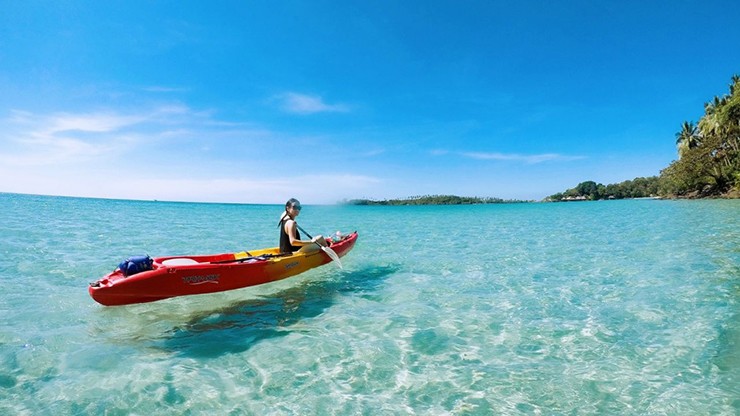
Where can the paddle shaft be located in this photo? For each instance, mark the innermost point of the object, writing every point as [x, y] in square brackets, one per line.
[326, 249]
[304, 231]
[309, 236]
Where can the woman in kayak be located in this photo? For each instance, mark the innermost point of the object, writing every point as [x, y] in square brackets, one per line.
[290, 239]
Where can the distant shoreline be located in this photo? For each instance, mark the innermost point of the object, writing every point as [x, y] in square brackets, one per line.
[433, 200]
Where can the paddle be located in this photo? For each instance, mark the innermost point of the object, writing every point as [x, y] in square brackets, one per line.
[331, 253]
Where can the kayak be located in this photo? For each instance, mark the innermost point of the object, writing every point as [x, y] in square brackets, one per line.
[167, 277]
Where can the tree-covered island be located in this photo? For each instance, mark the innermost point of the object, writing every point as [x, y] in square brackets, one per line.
[708, 163]
[591, 191]
[432, 200]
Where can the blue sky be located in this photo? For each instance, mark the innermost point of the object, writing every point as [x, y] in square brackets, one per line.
[257, 101]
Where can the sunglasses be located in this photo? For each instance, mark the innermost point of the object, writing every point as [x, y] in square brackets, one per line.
[297, 207]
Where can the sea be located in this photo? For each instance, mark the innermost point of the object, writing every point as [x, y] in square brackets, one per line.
[627, 307]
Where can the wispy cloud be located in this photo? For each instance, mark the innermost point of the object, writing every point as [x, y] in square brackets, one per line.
[164, 89]
[99, 153]
[515, 157]
[33, 139]
[65, 137]
[372, 152]
[92, 122]
[308, 104]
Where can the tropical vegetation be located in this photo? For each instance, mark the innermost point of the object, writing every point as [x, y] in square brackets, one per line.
[590, 190]
[431, 200]
[708, 163]
[708, 152]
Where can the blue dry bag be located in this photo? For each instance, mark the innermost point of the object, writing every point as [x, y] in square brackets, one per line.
[135, 264]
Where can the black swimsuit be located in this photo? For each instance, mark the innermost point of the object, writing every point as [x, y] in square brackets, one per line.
[285, 246]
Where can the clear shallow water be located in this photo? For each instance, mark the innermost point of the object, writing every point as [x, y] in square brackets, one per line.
[620, 307]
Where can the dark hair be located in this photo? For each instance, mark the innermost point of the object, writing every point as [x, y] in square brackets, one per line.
[291, 203]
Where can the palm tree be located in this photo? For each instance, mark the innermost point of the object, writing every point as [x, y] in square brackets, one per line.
[734, 84]
[687, 138]
[710, 123]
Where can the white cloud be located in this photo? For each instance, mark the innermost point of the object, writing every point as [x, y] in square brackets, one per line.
[163, 89]
[168, 153]
[68, 138]
[93, 122]
[529, 159]
[121, 183]
[31, 139]
[308, 104]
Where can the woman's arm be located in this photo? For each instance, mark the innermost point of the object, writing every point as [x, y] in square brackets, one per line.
[290, 228]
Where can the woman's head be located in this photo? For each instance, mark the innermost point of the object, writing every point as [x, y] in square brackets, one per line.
[293, 203]
[292, 208]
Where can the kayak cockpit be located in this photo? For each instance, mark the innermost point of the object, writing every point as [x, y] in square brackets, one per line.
[179, 261]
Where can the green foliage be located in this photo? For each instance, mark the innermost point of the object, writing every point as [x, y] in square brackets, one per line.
[709, 156]
[432, 200]
[708, 160]
[688, 138]
[591, 191]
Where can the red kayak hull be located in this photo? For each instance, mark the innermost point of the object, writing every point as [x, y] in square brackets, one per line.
[195, 275]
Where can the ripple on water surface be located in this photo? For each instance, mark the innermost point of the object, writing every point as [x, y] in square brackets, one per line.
[623, 307]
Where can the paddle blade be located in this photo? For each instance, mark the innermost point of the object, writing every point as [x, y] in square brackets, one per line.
[333, 255]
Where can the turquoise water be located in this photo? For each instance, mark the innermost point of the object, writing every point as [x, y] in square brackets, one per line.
[619, 307]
